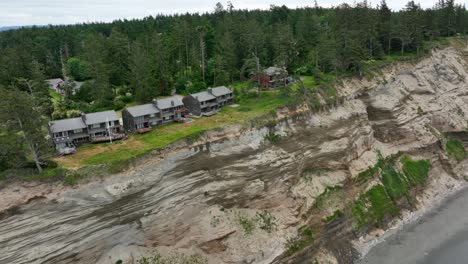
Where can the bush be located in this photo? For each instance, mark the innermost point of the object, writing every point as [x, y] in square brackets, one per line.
[267, 221]
[119, 104]
[247, 224]
[455, 149]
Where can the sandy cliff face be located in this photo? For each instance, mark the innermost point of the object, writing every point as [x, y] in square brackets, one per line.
[205, 200]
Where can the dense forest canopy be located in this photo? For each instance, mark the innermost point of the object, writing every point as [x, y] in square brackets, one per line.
[137, 60]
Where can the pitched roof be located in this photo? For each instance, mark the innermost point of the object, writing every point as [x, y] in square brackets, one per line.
[168, 102]
[54, 82]
[220, 91]
[66, 124]
[141, 110]
[203, 96]
[101, 117]
[274, 70]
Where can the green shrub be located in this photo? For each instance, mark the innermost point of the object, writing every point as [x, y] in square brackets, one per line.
[455, 149]
[272, 137]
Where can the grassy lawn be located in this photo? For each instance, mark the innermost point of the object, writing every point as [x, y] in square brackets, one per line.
[162, 136]
[55, 96]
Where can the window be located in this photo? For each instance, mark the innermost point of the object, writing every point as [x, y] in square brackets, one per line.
[139, 126]
[153, 115]
[59, 134]
[77, 131]
[95, 125]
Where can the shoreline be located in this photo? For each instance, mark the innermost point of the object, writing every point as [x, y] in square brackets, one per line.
[372, 248]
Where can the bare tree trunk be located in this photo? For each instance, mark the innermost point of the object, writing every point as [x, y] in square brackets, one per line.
[202, 48]
[34, 156]
[31, 148]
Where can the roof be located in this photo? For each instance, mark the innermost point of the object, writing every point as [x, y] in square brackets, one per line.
[203, 96]
[101, 117]
[220, 91]
[54, 81]
[141, 110]
[167, 102]
[274, 70]
[66, 124]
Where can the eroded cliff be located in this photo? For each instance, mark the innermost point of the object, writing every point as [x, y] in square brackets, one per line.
[243, 197]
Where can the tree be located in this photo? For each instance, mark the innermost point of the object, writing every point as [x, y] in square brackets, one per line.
[20, 115]
[142, 80]
[77, 69]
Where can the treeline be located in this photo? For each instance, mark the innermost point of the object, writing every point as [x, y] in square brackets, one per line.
[150, 57]
[137, 60]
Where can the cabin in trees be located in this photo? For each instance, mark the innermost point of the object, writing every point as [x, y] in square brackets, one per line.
[56, 85]
[208, 102]
[272, 77]
[142, 118]
[95, 127]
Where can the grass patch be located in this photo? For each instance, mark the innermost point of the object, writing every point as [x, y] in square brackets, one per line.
[332, 217]
[416, 172]
[455, 149]
[373, 205]
[47, 175]
[394, 182]
[325, 195]
[247, 223]
[156, 258]
[304, 238]
[73, 179]
[266, 220]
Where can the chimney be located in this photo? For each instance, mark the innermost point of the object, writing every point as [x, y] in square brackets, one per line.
[210, 90]
[172, 103]
[155, 102]
[83, 117]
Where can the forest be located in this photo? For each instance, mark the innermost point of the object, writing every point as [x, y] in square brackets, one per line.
[136, 60]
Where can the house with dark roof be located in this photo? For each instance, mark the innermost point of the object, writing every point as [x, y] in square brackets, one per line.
[68, 133]
[102, 125]
[208, 102]
[272, 77]
[170, 108]
[142, 118]
[95, 127]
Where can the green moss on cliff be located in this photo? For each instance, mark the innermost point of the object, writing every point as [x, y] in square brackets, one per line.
[455, 149]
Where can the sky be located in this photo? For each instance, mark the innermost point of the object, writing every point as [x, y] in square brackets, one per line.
[44, 12]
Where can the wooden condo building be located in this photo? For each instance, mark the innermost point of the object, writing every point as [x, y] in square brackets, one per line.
[89, 128]
[142, 118]
[208, 102]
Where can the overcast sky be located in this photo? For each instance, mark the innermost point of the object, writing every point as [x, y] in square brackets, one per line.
[42, 12]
